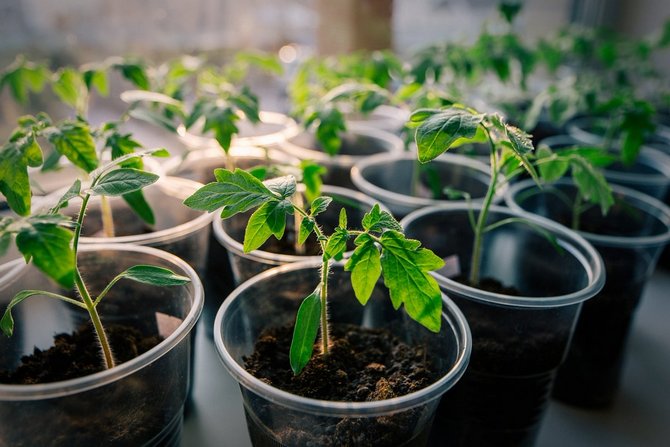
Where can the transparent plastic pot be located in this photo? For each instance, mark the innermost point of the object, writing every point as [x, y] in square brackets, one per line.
[276, 417]
[649, 174]
[629, 239]
[273, 128]
[230, 234]
[359, 141]
[520, 339]
[178, 229]
[138, 402]
[199, 166]
[389, 178]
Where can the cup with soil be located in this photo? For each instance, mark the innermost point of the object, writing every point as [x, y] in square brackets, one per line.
[401, 183]
[273, 128]
[359, 141]
[629, 239]
[54, 389]
[522, 315]
[199, 166]
[650, 173]
[230, 234]
[380, 384]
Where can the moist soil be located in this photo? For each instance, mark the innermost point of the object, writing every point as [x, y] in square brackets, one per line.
[363, 365]
[78, 354]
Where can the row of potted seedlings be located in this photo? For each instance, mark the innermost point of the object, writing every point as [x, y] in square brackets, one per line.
[490, 302]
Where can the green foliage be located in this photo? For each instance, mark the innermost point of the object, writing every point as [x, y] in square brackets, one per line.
[381, 248]
[22, 78]
[153, 275]
[305, 331]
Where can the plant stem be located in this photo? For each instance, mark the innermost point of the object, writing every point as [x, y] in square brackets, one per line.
[475, 262]
[576, 212]
[85, 295]
[325, 268]
[297, 221]
[107, 219]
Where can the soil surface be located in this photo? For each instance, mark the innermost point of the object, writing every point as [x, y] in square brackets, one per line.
[77, 355]
[363, 365]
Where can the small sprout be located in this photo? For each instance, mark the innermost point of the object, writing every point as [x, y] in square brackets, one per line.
[381, 249]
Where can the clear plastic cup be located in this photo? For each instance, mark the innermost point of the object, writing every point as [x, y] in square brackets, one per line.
[359, 141]
[276, 417]
[520, 339]
[274, 127]
[629, 239]
[138, 402]
[394, 181]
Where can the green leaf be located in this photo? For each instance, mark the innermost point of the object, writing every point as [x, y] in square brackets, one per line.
[123, 144]
[378, 221]
[23, 77]
[71, 193]
[305, 332]
[97, 78]
[247, 102]
[521, 145]
[70, 87]
[135, 73]
[284, 186]
[306, 228]
[509, 9]
[591, 183]
[268, 220]
[140, 206]
[123, 181]
[438, 131]
[73, 140]
[337, 244]
[343, 218]
[236, 192]
[319, 205]
[153, 275]
[49, 247]
[220, 121]
[7, 322]
[405, 267]
[365, 266]
[328, 132]
[15, 157]
[551, 165]
[312, 174]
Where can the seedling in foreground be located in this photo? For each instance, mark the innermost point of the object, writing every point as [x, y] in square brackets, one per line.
[48, 239]
[381, 248]
[511, 153]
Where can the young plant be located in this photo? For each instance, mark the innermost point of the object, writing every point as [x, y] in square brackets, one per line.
[511, 153]
[381, 249]
[51, 239]
[221, 97]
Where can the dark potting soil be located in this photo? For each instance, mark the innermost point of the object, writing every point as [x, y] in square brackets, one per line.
[363, 365]
[77, 355]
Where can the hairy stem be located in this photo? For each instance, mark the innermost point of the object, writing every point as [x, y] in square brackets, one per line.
[297, 221]
[85, 295]
[325, 267]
